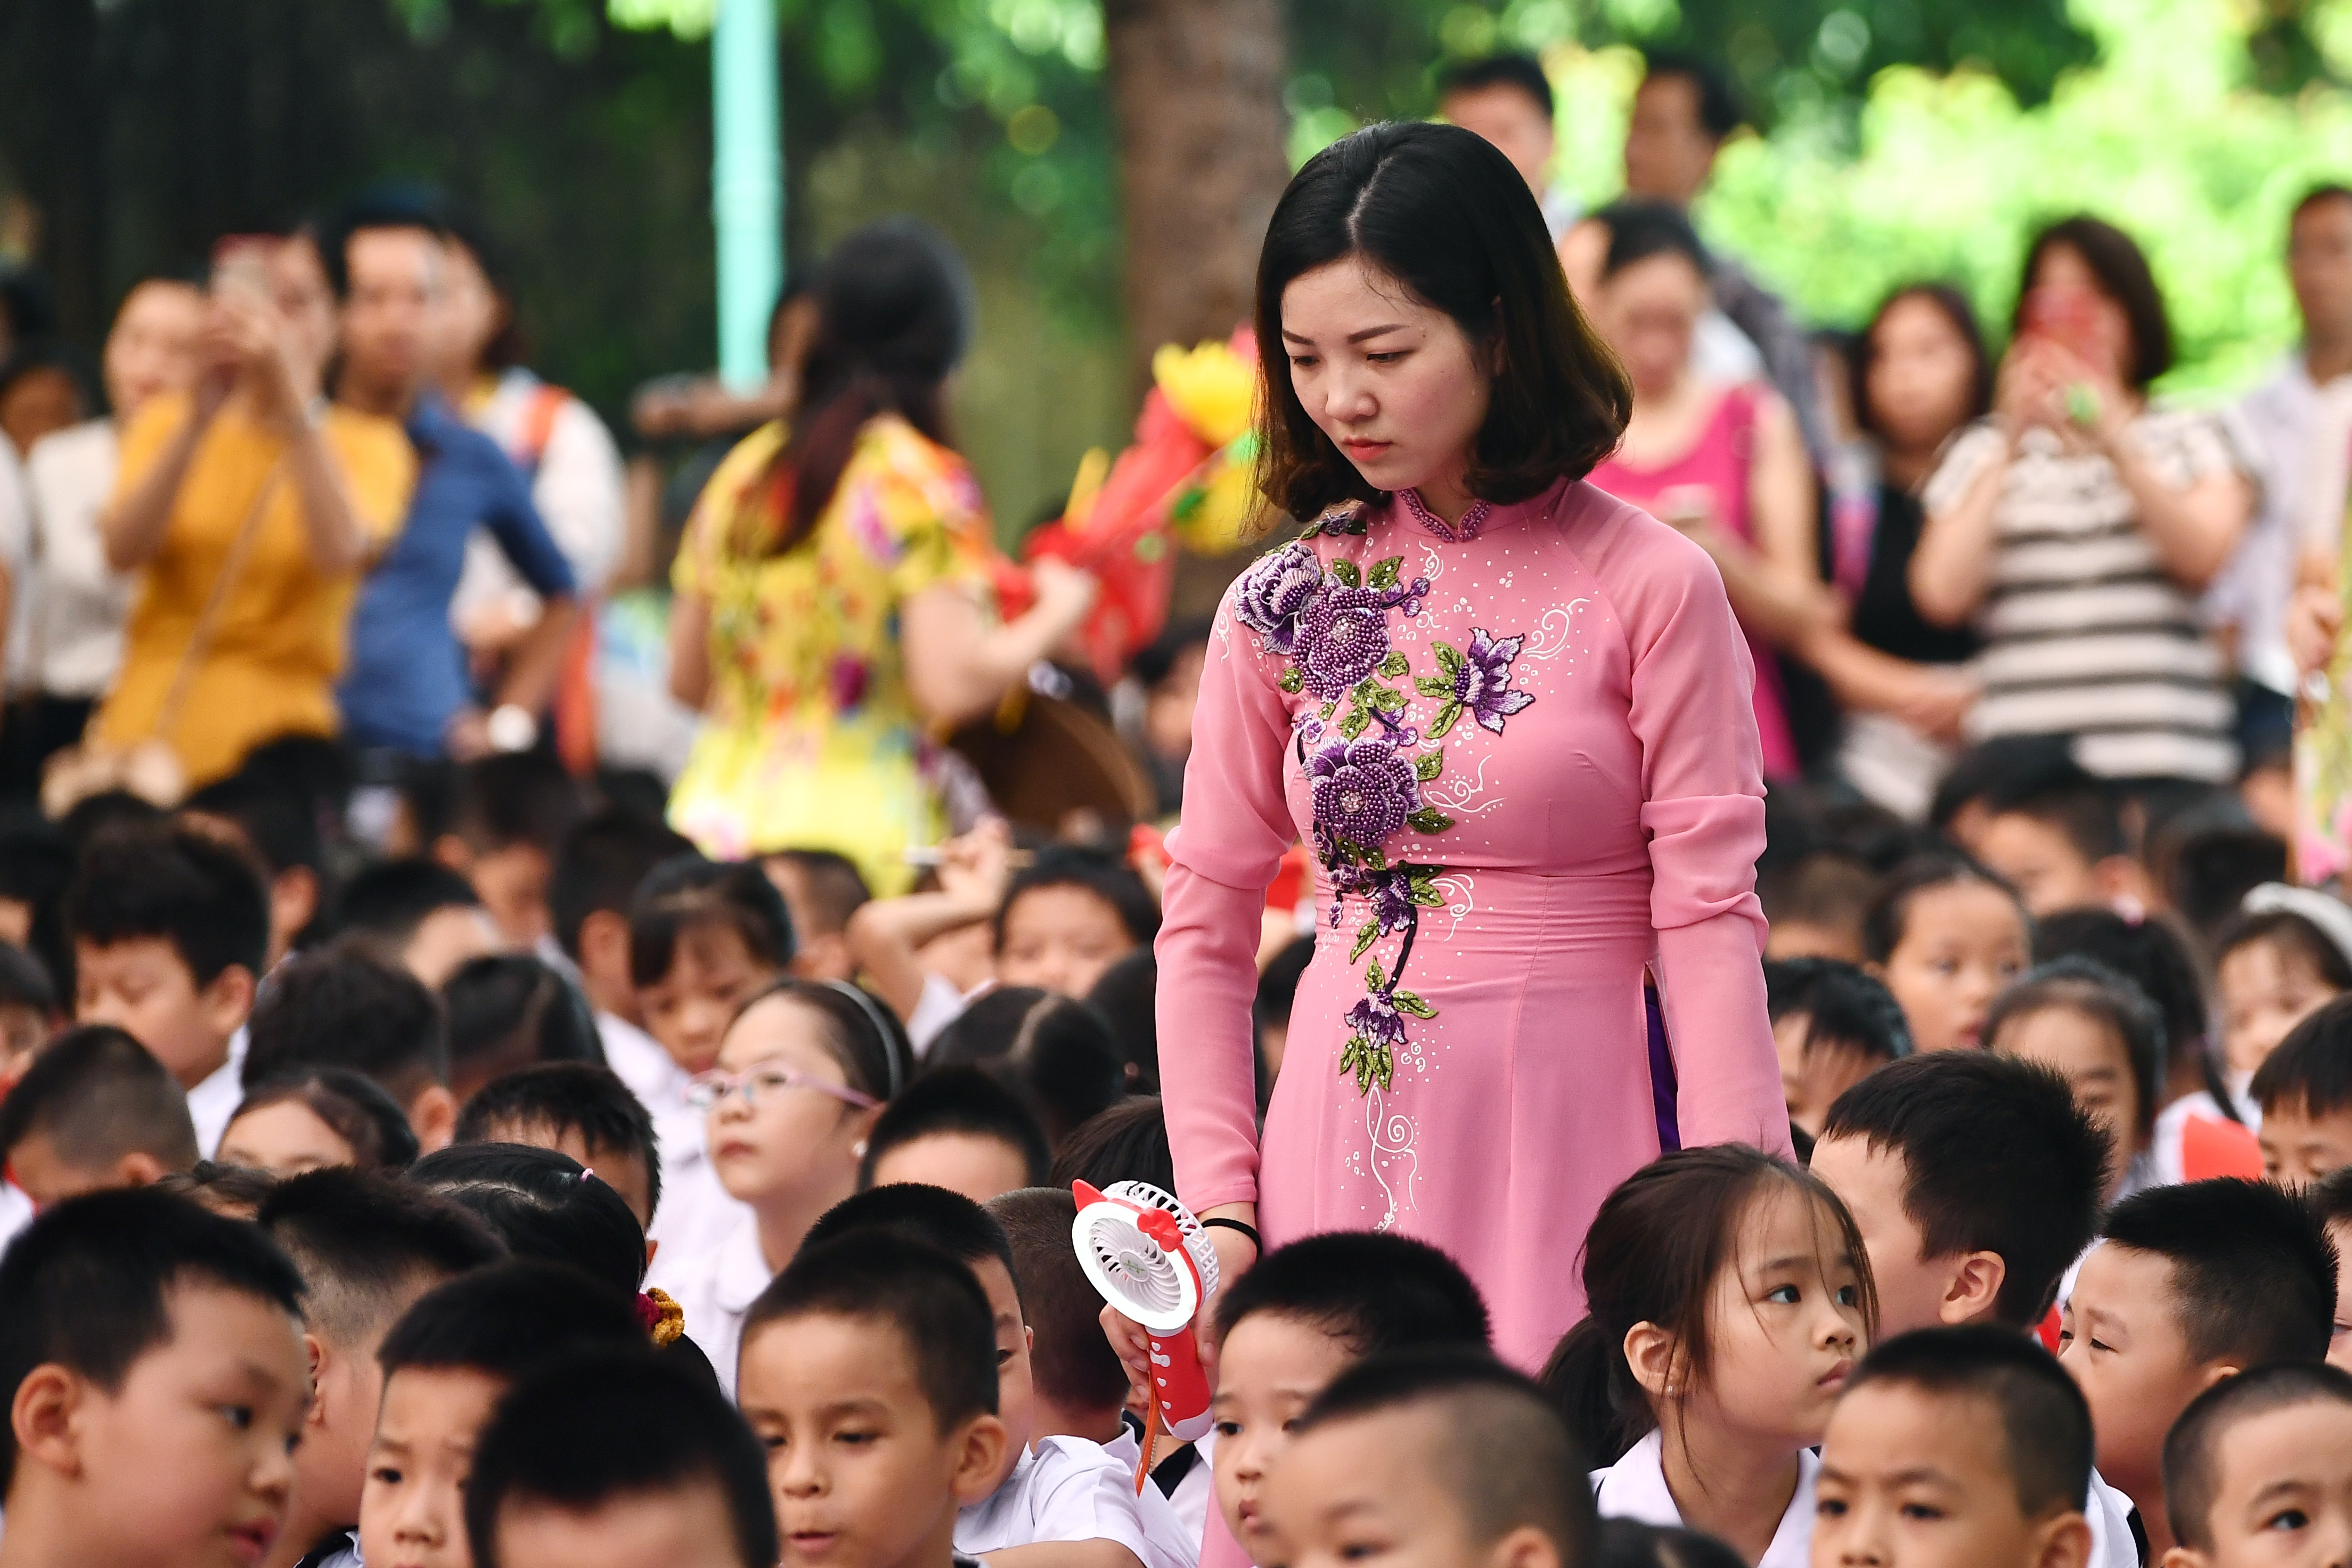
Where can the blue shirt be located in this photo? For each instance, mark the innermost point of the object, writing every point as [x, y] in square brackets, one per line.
[406, 675]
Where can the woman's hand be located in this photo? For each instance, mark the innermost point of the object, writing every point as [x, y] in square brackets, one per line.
[1237, 1254]
[244, 338]
[2027, 392]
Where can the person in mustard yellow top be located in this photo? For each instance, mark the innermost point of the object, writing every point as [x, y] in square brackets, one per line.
[832, 600]
[322, 487]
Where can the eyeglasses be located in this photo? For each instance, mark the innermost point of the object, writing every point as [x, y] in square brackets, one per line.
[710, 1089]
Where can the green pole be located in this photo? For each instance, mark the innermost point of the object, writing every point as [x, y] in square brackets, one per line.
[747, 184]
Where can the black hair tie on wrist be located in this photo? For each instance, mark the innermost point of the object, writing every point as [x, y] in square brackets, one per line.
[1245, 1228]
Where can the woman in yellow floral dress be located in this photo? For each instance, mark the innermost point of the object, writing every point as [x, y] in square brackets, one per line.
[832, 606]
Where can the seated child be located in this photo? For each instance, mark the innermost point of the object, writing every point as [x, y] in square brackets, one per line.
[509, 814]
[307, 1118]
[416, 915]
[340, 1008]
[153, 1353]
[2285, 954]
[597, 871]
[1054, 1500]
[564, 1476]
[1684, 1257]
[1814, 907]
[507, 1012]
[1068, 916]
[891, 1341]
[2305, 1092]
[1444, 1459]
[956, 1127]
[2258, 1470]
[1054, 1052]
[1309, 1311]
[2191, 1284]
[2330, 1198]
[928, 951]
[95, 1111]
[447, 1362]
[2094, 1029]
[281, 832]
[824, 890]
[1080, 1387]
[170, 933]
[1944, 935]
[580, 1110]
[367, 1247]
[802, 1074]
[1833, 1026]
[1128, 1142]
[2153, 955]
[1962, 1446]
[2058, 838]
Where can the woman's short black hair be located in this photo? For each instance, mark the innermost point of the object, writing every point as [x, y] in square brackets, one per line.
[1956, 310]
[1439, 210]
[2119, 264]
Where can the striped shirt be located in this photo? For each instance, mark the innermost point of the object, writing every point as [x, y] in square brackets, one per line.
[2086, 634]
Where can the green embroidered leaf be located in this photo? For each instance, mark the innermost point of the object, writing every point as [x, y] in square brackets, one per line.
[1384, 574]
[1376, 861]
[1420, 892]
[1387, 698]
[1408, 1001]
[1429, 819]
[1444, 721]
[1428, 766]
[1329, 709]
[1345, 571]
[1387, 1069]
[1373, 978]
[1449, 658]
[1291, 679]
[1366, 934]
[1435, 686]
[1354, 723]
[1396, 665]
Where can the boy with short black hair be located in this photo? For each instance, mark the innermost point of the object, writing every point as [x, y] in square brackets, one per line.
[597, 870]
[958, 1128]
[418, 915]
[1449, 1458]
[2190, 1284]
[171, 934]
[367, 1247]
[1833, 1026]
[577, 1109]
[822, 887]
[1067, 917]
[2304, 1090]
[2258, 1471]
[510, 813]
[280, 828]
[127, 1320]
[95, 1111]
[897, 1335]
[1960, 1448]
[565, 1477]
[342, 1008]
[2057, 836]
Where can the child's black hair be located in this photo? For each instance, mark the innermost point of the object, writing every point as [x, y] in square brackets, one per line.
[515, 797]
[2192, 1449]
[2253, 1273]
[352, 1104]
[1501, 1454]
[2148, 952]
[87, 1285]
[507, 1318]
[1056, 1053]
[25, 981]
[2212, 869]
[279, 826]
[2070, 800]
[929, 1297]
[343, 1008]
[2312, 1068]
[1630, 1543]
[37, 867]
[1889, 915]
[1373, 1292]
[958, 1100]
[1999, 762]
[209, 899]
[2330, 1197]
[508, 1011]
[567, 1096]
[2091, 989]
[948, 1221]
[388, 900]
[1652, 1256]
[1127, 999]
[836, 888]
[1071, 1358]
[1997, 1157]
[600, 865]
[1846, 1008]
[1824, 888]
[599, 1425]
[97, 1095]
[361, 1240]
[2297, 942]
[1096, 871]
[865, 1038]
[689, 894]
[1277, 984]
[2045, 1422]
[232, 1189]
[542, 1204]
[1128, 1142]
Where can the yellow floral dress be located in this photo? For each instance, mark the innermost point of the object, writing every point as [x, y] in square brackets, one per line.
[809, 740]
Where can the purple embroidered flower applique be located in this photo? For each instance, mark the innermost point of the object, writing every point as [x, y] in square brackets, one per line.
[1272, 593]
[1475, 685]
[1363, 790]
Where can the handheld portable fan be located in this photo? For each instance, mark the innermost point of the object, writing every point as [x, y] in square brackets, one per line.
[1149, 1259]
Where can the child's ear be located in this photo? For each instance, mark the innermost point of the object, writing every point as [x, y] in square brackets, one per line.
[139, 1169]
[1655, 1356]
[434, 1114]
[45, 1418]
[1527, 1547]
[454, 853]
[978, 1459]
[316, 1353]
[2215, 1372]
[2181, 1557]
[226, 1002]
[1975, 1288]
[2063, 1541]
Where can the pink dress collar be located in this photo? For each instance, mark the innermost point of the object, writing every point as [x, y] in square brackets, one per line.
[1472, 519]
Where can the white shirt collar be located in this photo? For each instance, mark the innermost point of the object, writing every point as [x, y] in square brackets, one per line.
[212, 1102]
[1635, 1488]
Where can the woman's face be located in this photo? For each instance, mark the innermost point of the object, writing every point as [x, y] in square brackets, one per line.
[2062, 269]
[1648, 313]
[1920, 374]
[1392, 380]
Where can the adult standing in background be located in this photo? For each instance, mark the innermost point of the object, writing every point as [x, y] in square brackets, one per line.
[65, 639]
[833, 591]
[407, 689]
[2076, 525]
[249, 506]
[1507, 98]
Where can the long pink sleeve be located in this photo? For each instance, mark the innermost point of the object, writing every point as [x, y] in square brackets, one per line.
[1234, 830]
[1703, 807]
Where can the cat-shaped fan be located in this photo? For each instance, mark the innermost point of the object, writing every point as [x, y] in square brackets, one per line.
[1149, 1259]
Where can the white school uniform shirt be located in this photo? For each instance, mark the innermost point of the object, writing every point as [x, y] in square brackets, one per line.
[16, 1212]
[715, 1292]
[1064, 1488]
[2109, 1511]
[1173, 1545]
[212, 1102]
[634, 1056]
[1635, 1488]
[697, 1212]
[1196, 1494]
[68, 640]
